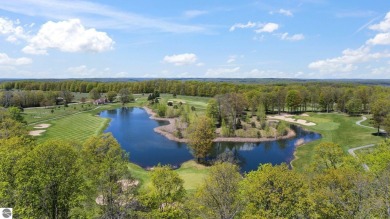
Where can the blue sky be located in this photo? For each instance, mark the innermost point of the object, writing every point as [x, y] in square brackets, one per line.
[170, 39]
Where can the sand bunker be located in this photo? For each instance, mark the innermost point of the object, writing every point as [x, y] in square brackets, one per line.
[42, 126]
[36, 132]
[288, 118]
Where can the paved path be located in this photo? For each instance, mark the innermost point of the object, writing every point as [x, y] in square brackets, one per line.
[364, 119]
[352, 152]
[59, 117]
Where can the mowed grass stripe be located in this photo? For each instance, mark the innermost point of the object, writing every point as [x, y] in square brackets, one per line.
[75, 128]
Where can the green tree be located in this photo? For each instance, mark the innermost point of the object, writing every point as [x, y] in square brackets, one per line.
[201, 134]
[125, 96]
[293, 100]
[48, 181]
[94, 94]
[275, 192]
[11, 151]
[212, 110]
[260, 114]
[342, 193]
[328, 155]
[105, 166]
[354, 106]
[218, 196]
[380, 108]
[16, 114]
[166, 193]
[111, 95]
[67, 96]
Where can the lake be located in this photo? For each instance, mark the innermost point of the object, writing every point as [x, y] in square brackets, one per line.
[133, 129]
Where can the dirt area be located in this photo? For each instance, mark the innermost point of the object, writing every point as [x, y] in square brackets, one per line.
[165, 130]
[287, 118]
[36, 132]
[42, 126]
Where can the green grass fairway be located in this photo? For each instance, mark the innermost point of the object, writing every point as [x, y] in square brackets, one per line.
[334, 127]
[192, 173]
[74, 128]
[200, 103]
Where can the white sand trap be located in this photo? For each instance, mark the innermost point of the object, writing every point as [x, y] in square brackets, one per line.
[42, 126]
[304, 114]
[36, 132]
[287, 118]
[299, 142]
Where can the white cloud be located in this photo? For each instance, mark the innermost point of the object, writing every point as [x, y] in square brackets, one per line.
[68, 36]
[181, 59]
[382, 38]
[12, 30]
[194, 13]
[243, 26]
[383, 26]
[8, 61]
[284, 12]
[231, 59]
[222, 72]
[295, 37]
[268, 28]
[348, 61]
[95, 15]
[381, 71]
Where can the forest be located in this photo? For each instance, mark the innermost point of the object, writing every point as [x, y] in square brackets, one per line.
[60, 178]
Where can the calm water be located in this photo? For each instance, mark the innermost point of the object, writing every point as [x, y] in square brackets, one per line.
[134, 131]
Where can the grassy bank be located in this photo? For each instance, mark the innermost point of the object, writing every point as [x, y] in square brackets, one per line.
[334, 127]
[192, 173]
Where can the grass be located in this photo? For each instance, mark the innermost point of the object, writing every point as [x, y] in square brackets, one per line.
[193, 175]
[334, 127]
[200, 103]
[74, 123]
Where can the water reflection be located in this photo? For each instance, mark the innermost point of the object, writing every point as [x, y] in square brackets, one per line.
[134, 131]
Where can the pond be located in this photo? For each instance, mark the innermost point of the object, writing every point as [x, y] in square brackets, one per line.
[133, 129]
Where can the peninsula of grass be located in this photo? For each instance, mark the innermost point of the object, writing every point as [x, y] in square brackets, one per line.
[334, 127]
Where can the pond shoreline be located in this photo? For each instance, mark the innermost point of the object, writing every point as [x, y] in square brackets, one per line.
[171, 127]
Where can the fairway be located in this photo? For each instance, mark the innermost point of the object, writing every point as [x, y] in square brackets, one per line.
[193, 175]
[76, 128]
[334, 127]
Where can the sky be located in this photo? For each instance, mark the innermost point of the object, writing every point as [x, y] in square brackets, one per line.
[313, 39]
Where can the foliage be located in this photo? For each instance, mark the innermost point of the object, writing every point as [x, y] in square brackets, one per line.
[166, 194]
[162, 109]
[48, 181]
[380, 108]
[354, 106]
[275, 192]
[218, 196]
[111, 95]
[201, 135]
[293, 100]
[94, 94]
[328, 156]
[125, 96]
[105, 164]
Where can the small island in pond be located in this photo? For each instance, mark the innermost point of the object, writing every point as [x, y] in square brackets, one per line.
[231, 119]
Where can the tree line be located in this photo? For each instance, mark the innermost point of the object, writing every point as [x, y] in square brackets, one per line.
[57, 179]
[275, 97]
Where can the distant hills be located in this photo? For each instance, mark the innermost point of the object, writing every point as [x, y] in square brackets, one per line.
[383, 82]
